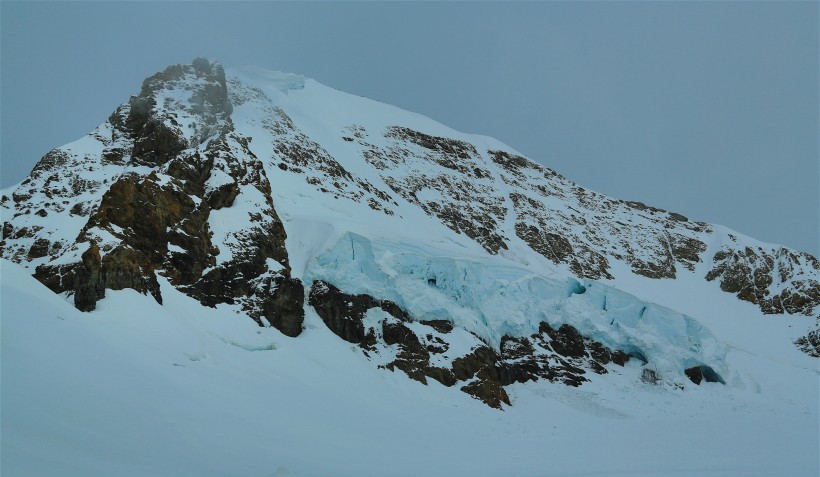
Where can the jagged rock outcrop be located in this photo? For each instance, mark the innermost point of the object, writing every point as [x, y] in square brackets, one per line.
[123, 267]
[421, 348]
[480, 371]
[341, 313]
[810, 344]
[442, 176]
[181, 127]
[778, 281]
[161, 222]
[284, 309]
[185, 183]
[558, 355]
[699, 374]
[156, 129]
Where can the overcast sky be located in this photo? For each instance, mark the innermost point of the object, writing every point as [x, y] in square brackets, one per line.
[707, 109]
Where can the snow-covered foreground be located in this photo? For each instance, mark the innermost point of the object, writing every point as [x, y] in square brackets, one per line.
[137, 388]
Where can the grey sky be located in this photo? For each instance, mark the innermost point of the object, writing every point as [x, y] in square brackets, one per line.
[707, 109]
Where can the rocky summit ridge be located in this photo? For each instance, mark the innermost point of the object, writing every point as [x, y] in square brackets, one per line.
[282, 196]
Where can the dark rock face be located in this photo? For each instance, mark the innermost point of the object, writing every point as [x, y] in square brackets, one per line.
[343, 313]
[810, 344]
[450, 153]
[160, 222]
[584, 262]
[155, 130]
[122, 268]
[180, 126]
[753, 274]
[148, 213]
[699, 374]
[512, 162]
[557, 355]
[155, 143]
[566, 341]
[413, 358]
[167, 222]
[442, 326]
[480, 368]
[125, 267]
[153, 218]
[88, 288]
[284, 310]
[694, 374]
[560, 355]
[39, 249]
[468, 203]
[686, 250]
[588, 230]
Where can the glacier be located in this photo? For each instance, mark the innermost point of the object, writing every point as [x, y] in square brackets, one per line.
[139, 388]
[493, 300]
[199, 219]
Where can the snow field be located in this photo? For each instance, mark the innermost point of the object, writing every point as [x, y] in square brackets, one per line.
[136, 388]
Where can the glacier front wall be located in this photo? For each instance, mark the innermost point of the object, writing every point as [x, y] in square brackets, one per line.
[491, 300]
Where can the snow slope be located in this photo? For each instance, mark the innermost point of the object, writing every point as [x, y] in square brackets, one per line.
[136, 388]
[204, 197]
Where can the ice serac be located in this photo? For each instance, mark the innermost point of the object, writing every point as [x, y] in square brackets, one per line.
[446, 256]
[521, 326]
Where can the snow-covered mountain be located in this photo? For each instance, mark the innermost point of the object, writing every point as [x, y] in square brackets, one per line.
[444, 259]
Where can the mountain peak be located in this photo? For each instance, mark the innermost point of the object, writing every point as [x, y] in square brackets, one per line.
[282, 197]
[177, 108]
